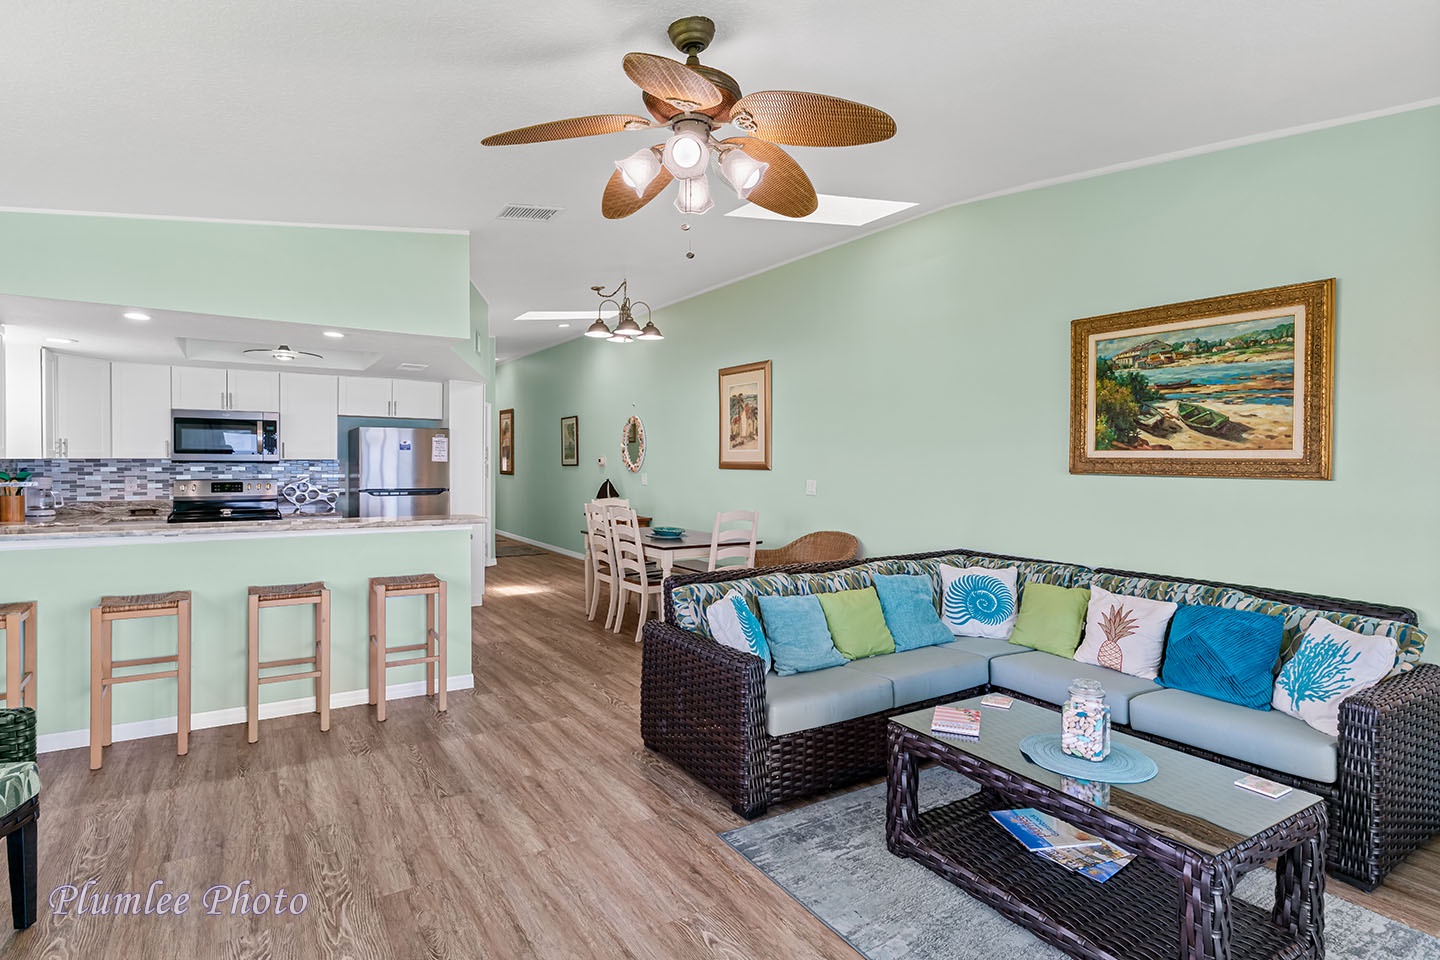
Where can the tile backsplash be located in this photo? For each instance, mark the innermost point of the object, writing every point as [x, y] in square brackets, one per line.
[151, 479]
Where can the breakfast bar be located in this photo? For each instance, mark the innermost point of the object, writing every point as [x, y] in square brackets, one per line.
[68, 564]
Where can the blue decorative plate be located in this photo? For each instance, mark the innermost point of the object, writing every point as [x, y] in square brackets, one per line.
[1123, 765]
[667, 533]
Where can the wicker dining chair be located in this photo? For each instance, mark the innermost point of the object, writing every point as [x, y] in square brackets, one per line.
[20, 809]
[817, 547]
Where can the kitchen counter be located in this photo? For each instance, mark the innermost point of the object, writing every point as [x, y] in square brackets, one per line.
[90, 521]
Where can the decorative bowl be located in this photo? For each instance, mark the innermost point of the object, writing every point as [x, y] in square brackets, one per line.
[667, 533]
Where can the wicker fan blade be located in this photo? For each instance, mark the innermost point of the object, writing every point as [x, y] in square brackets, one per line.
[810, 119]
[568, 129]
[660, 110]
[785, 189]
[620, 200]
[671, 81]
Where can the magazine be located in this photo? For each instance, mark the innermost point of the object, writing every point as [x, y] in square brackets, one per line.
[1040, 831]
[1099, 863]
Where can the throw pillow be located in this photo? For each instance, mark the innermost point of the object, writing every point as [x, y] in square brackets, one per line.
[1125, 633]
[857, 623]
[799, 639]
[979, 601]
[1051, 618]
[908, 603]
[1224, 654]
[733, 624]
[1330, 664]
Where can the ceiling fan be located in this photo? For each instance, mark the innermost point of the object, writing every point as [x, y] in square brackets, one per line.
[284, 353]
[693, 101]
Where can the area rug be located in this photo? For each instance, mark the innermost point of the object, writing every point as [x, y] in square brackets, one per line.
[831, 857]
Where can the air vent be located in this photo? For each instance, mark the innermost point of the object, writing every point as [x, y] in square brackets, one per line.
[528, 213]
[410, 366]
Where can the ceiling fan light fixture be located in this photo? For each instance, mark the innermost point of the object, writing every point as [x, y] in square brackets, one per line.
[742, 171]
[598, 329]
[688, 151]
[694, 195]
[651, 332]
[639, 169]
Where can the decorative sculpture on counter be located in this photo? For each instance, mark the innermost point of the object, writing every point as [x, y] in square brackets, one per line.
[307, 497]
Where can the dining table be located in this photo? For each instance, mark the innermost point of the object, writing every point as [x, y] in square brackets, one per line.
[690, 545]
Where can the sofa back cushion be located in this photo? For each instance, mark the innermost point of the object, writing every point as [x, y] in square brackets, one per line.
[798, 634]
[909, 607]
[857, 623]
[1225, 654]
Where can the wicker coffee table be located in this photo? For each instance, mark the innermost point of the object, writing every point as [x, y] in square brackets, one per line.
[1193, 832]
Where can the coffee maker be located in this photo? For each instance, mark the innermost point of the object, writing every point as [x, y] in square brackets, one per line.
[40, 501]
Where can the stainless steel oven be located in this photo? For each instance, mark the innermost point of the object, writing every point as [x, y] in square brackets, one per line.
[241, 435]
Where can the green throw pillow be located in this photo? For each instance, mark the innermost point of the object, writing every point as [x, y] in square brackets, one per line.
[1051, 618]
[857, 623]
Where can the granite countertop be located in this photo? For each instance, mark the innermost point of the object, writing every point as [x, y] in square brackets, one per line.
[134, 518]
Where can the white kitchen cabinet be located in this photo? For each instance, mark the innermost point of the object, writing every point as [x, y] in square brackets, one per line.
[140, 410]
[309, 411]
[417, 399]
[214, 388]
[364, 397]
[78, 391]
[198, 388]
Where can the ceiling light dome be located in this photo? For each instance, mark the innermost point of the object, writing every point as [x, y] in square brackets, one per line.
[742, 171]
[651, 332]
[639, 169]
[688, 151]
[627, 327]
[694, 195]
[598, 329]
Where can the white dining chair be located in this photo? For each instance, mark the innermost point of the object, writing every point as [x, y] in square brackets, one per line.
[732, 543]
[633, 573]
[592, 583]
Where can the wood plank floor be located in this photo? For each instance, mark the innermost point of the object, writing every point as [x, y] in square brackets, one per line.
[527, 822]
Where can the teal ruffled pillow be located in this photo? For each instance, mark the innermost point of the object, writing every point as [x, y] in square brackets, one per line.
[1223, 654]
[908, 603]
[798, 634]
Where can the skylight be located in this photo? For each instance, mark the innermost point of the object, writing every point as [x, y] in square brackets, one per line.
[844, 211]
[563, 314]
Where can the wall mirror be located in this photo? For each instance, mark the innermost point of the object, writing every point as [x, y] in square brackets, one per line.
[632, 444]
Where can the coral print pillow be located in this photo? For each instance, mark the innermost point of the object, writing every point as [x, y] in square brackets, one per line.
[1125, 633]
[979, 601]
[1330, 664]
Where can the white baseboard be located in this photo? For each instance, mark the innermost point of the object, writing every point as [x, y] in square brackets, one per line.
[229, 716]
[541, 544]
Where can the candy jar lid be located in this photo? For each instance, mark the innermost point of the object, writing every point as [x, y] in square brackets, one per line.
[1082, 688]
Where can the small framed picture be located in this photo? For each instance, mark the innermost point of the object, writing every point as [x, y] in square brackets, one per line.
[570, 441]
[745, 417]
[507, 441]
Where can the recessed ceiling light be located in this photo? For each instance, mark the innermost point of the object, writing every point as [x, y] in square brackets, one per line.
[562, 326]
[60, 340]
[138, 315]
[335, 334]
[844, 211]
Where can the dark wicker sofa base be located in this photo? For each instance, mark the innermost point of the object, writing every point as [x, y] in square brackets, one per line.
[703, 706]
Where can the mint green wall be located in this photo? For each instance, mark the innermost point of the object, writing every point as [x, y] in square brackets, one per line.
[68, 581]
[922, 376]
[370, 279]
[479, 350]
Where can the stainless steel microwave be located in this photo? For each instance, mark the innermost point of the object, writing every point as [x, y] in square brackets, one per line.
[239, 435]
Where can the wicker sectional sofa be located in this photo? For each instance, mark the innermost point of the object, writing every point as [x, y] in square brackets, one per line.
[759, 739]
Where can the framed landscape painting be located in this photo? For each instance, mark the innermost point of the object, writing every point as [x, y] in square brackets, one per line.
[507, 441]
[570, 441]
[1233, 386]
[745, 417]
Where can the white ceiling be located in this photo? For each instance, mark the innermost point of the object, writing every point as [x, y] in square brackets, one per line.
[371, 112]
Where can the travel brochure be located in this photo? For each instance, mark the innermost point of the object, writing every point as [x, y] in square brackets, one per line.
[997, 700]
[1266, 788]
[1064, 843]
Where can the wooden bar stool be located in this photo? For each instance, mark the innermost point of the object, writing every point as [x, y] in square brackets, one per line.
[18, 622]
[381, 590]
[103, 664]
[289, 595]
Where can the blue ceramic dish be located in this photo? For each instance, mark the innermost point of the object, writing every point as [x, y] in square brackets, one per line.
[667, 533]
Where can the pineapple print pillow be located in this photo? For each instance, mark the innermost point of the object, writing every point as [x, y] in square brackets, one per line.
[1125, 633]
[1330, 664]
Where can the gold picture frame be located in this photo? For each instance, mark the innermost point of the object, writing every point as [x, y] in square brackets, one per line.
[744, 427]
[1233, 386]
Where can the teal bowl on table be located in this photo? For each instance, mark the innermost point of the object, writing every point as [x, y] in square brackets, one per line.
[667, 533]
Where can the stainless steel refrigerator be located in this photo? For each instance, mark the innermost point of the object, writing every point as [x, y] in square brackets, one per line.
[398, 472]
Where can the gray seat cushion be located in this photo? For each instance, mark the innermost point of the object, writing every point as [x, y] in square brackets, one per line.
[807, 700]
[1267, 738]
[989, 649]
[1047, 677]
[927, 672]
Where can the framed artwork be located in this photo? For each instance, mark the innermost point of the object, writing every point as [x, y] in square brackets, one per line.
[1233, 386]
[745, 417]
[570, 441]
[507, 441]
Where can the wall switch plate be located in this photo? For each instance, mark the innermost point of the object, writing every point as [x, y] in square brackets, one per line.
[809, 488]
[644, 479]
[601, 461]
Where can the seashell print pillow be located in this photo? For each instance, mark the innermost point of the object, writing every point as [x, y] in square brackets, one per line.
[979, 601]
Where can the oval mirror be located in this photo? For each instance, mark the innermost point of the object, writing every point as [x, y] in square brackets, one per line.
[632, 444]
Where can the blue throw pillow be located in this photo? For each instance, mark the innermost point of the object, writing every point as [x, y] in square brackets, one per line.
[908, 603]
[798, 634]
[1223, 654]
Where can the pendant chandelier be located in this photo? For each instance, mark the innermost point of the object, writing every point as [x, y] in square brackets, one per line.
[626, 329]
